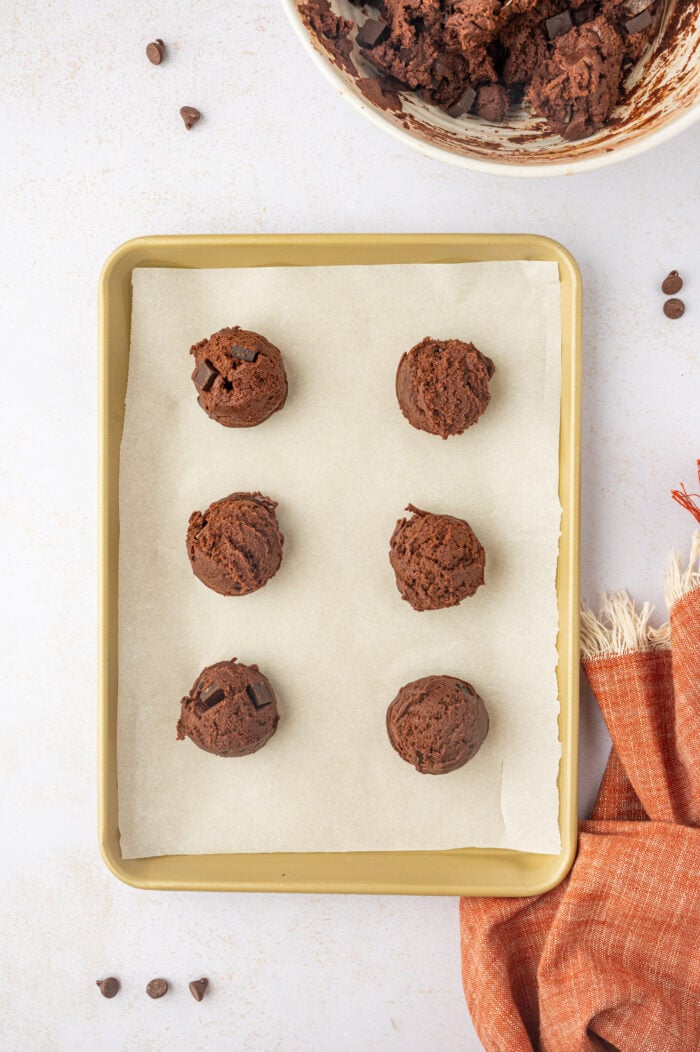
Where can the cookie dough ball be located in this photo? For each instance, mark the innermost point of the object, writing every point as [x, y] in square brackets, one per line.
[443, 386]
[230, 711]
[437, 559]
[235, 546]
[437, 723]
[239, 376]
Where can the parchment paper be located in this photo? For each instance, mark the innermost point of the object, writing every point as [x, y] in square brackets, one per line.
[330, 630]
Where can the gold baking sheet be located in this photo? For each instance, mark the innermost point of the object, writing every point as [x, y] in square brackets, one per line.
[466, 871]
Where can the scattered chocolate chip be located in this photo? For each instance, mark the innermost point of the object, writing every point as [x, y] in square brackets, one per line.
[156, 52]
[157, 988]
[672, 283]
[585, 14]
[259, 694]
[200, 403]
[190, 116]
[212, 696]
[674, 308]
[373, 32]
[463, 104]
[204, 375]
[198, 988]
[109, 987]
[242, 354]
[641, 21]
[557, 25]
[405, 53]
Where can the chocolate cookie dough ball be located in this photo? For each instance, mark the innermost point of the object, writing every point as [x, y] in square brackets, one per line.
[235, 546]
[443, 386]
[437, 723]
[437, 559]
[230, 711]
[239, 376]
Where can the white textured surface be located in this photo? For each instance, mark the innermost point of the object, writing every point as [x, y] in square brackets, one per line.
[94, 152]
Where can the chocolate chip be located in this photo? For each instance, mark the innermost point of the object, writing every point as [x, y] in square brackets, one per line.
[585, 14]
[243, 354]
[190, 116]
[557, 25]
[672, 283]
[463, 104]
[405, 53]
[155, 52]
[157, 988]
[198, 988]
[108, 987]
[373, 32]
[200, 403]
[260, 694]
[641, 21]
[674, 308]
[204, 375]
[212, 696]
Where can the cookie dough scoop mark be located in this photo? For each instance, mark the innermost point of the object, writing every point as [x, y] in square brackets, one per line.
[438, 560]
[239, 376]
[437, 723]
[235, 546]
[442, 386]
[230, 711]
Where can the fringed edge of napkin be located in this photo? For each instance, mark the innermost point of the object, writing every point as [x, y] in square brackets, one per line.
[620, 628]
[679, 581]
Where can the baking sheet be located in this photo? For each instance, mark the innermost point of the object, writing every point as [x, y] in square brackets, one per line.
[330, 629]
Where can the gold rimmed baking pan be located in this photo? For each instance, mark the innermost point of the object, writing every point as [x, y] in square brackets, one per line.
[466, 871]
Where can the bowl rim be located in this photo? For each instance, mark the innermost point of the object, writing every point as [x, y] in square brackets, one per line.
[672, 127]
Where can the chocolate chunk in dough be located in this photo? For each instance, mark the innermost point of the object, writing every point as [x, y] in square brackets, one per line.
[373, 32]
[235, 546]
[204, 376]
[211, 695]
[438, 560]
[559, 24]
[234, 726]
[442, 386]
[437, 723]
[250, 383]
[260, 695]
[243, 354]
[641, 21]
[463, 104]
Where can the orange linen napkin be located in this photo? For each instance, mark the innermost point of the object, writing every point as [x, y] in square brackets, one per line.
[611, 957]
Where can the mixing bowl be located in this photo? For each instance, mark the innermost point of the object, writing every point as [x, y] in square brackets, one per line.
[662, 97]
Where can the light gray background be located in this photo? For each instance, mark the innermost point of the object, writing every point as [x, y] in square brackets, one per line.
[93, 152]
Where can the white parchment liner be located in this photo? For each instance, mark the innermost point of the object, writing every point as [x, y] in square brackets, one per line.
[330, 630]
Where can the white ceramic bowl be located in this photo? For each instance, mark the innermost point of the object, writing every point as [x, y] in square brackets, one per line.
[662, 99]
